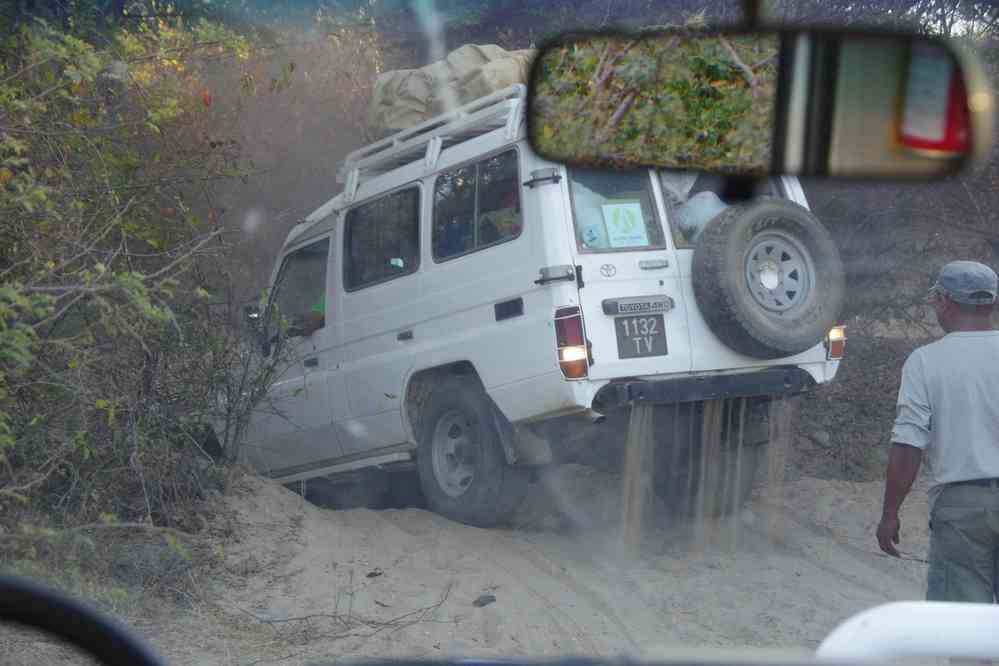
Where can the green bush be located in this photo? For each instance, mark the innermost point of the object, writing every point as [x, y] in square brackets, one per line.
[111, 358]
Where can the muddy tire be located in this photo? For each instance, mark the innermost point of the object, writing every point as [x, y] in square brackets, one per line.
[768, 278]
[727, 473]
[462, 468]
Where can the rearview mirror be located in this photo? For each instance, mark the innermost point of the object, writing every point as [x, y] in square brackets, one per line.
[807, 103]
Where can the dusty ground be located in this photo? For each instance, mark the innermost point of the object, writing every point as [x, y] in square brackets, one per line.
[302, 584]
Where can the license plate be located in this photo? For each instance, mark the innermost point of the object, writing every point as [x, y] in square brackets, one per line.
[640, 336]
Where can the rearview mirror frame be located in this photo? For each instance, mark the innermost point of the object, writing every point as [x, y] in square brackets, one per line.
[902, 163]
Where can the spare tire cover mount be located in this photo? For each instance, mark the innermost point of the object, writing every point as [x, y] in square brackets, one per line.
[779, 271]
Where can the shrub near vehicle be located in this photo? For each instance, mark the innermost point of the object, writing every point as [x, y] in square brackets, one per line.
[478, 307]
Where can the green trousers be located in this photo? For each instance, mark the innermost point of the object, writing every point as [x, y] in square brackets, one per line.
[964, 545]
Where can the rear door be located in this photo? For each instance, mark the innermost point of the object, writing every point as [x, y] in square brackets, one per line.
[633, 304]
[692, 201]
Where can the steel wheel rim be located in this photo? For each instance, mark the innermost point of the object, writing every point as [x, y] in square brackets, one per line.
[455, 453]
[779, 272]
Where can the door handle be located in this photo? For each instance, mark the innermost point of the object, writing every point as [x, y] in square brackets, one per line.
[311, 362]
[405, 335]
[653, 264]
[555, 273]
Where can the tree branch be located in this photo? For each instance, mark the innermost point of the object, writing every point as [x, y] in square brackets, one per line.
[746, 71]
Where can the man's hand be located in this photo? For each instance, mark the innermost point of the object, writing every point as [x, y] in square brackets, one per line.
[903, 465]
[888, 535]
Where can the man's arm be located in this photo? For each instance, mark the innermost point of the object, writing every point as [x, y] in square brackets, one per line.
[910, 436]
[903, 466]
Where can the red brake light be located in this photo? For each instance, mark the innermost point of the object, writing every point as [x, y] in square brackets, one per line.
[568, 327]
[570, 342]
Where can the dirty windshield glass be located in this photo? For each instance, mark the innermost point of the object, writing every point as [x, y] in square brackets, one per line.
[614, 210]
[521, 412]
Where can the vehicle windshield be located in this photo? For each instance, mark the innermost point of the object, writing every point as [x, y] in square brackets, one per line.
[519, 409]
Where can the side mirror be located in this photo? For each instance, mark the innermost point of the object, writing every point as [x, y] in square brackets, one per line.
[251, 313]
[255, 321]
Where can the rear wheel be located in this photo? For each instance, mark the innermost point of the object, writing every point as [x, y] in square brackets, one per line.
[462, 468]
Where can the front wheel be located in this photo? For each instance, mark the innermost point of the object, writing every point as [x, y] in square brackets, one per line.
[462, 468]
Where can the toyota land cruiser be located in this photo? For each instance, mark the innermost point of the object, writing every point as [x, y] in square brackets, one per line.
[477, 309]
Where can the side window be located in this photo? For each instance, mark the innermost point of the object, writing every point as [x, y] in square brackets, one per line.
[382, 239]
[476, 206]
[693, 200]
[301, 285]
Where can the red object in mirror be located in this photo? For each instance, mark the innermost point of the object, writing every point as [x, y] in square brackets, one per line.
[935, 112]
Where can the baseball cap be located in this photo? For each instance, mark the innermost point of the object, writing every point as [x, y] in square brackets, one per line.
[968, 282]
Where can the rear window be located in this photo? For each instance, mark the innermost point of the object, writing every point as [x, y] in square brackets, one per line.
[382, 239]
[694, 199]
[614, 210]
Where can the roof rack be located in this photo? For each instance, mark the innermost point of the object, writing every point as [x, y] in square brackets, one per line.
[503, 108]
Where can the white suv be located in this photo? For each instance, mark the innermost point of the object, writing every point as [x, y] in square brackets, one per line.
[476, 307]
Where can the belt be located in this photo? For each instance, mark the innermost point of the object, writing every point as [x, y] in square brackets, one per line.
[988, 483]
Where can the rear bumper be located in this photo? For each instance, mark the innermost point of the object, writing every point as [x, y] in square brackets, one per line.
[772, 381]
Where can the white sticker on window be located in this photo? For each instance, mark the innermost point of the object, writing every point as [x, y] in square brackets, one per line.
[625, 224]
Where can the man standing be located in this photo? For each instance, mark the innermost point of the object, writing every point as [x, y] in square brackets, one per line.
[948, 406]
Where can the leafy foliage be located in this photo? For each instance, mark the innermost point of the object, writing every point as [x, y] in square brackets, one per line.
[112, 357]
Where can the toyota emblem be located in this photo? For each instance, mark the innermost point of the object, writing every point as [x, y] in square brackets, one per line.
[608, 270]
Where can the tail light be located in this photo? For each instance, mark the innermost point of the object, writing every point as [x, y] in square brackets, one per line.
[570, 343]
[835, 343]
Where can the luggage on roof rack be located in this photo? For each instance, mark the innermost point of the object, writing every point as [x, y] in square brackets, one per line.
[405, 98]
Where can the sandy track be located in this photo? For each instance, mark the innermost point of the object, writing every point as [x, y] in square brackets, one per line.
[561, 591]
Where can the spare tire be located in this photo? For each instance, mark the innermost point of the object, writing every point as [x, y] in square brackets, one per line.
[768, 278]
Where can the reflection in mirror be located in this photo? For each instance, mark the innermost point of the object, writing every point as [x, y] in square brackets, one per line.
[895, 105]
[681, 100]
[812, 103]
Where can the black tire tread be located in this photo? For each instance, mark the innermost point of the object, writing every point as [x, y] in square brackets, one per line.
[498, 492]
[716, 296]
